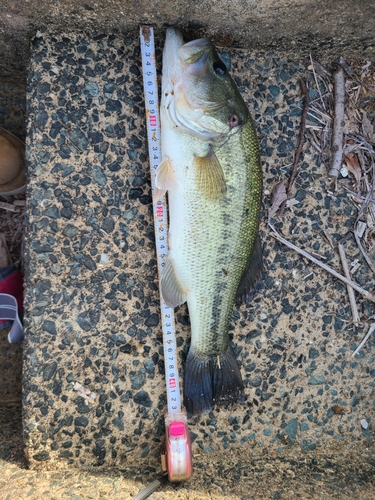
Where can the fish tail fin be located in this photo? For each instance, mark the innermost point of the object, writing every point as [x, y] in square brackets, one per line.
[227, 380]
[211, 380]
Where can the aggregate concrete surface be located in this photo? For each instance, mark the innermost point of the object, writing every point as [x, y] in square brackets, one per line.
[241, 477]
[91, 302]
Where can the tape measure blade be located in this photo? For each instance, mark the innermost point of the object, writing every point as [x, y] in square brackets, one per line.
[150, 89]
[160, 212]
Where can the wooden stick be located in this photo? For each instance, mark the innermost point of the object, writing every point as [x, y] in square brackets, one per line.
[9, 207]
[372, 328]
[338, 123]
[301, 140]
[367, 258]
[5, 257]
[345, 280]
[353, 304]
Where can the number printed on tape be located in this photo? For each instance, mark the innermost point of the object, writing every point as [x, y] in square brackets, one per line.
[160, 212]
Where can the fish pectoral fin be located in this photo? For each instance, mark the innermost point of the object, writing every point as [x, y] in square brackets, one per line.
[171, 290]
[209, 176]
[165, 178]
[252, 275]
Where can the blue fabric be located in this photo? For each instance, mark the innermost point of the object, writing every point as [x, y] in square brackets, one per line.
[9, 310]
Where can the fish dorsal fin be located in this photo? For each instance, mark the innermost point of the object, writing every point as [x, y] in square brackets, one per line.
[252, 275]
[209, 176]
[171, 290]
[165, 178]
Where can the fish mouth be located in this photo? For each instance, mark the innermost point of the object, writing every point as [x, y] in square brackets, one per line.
[172, 64]
[184, 106]
[185, 56]
[173, 35]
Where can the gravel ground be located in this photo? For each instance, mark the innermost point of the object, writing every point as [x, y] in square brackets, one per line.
[92, 301]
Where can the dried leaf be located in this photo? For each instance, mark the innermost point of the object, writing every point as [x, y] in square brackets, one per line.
[368, 128]
[355, 199]
[278, 198]
[353, 166]
[337, 410]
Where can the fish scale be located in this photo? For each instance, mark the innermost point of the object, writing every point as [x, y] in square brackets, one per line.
[238, 235]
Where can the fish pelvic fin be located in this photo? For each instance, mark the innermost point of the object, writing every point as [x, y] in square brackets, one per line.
[211, 380]
[209, 176]
[249, 283]
[171, 290]
[165, 179]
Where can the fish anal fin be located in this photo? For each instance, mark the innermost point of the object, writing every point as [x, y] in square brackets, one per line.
[171, 290]
[165, 178]
[252, 275]
[209, 176]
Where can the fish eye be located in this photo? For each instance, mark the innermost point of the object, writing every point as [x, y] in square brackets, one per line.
[234, 121]
[219, 68]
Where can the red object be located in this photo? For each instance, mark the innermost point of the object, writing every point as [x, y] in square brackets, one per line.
[178, 456]
[177, 428]
[13, 285]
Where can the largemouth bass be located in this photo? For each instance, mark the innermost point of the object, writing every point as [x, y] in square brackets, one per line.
[211, 171]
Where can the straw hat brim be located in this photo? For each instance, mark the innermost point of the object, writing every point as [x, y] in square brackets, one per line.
[18, 183]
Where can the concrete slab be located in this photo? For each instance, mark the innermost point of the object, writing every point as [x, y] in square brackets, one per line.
[92, 317]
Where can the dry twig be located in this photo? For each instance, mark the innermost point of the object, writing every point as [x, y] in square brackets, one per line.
[319, 108]
[367, 258]
[353, 304]
[316, 82]
[301, 140]
[338, 123]
[337, 275]
[8, 206]
[279, 197]
[372, 328]
[5, 257]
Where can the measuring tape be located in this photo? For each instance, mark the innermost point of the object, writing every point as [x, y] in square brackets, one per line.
[177, 458]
